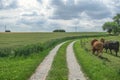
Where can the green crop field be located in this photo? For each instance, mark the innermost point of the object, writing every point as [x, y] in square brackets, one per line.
[20, 39]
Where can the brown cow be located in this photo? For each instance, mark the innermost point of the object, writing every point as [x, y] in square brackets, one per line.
[97, 46]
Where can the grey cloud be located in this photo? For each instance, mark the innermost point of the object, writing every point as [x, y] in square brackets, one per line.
[31, 22]
[99, 14]
[30, 14]
[7, 17]
[39, 1]
[70, 10]
[32, 25]
[80, 28]
[8, 4]
[63, 11]
[55, 26]
[1, 17]
[48, 26]
[96, 10]
[116, 6]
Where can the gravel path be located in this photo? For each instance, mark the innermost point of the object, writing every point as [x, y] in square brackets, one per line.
[42, 70]
[75, 72]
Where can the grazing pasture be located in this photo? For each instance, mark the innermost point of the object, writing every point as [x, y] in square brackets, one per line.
[105, 68]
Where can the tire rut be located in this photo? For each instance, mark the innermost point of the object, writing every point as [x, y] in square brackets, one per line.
[75, 72]
[42, 70]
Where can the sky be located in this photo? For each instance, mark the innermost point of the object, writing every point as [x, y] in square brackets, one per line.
[48, 15]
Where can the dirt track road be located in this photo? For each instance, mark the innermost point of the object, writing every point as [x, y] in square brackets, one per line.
[75, 72]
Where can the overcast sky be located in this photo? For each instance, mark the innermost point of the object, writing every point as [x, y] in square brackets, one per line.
[47, 15]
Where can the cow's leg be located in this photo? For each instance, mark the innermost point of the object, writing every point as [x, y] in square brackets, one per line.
[110, 51]
[93, 51]
[106, 50]
[97, 52]
[100, 53]
[116, 52]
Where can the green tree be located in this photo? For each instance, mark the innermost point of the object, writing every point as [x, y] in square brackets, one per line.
[117, 19]
[110, 27]
[109, 31]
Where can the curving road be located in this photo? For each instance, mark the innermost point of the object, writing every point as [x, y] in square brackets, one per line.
[75, 72]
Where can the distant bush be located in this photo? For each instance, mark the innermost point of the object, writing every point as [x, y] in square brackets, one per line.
[59, 30]
[7, 31]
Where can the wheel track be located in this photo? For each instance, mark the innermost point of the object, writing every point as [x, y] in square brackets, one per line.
[75, 72]
[42, 70]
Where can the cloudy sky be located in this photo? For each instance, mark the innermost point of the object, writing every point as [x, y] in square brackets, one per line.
[47, 15]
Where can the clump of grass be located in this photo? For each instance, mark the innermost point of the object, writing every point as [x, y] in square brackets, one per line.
[59, 70]
[27, 50]
[5, 52]
[94, 67]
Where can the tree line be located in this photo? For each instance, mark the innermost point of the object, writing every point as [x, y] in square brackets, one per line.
[113, 26]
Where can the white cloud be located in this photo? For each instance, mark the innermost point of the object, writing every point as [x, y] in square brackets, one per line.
[31, 4]
[8, 4]
[47, 15]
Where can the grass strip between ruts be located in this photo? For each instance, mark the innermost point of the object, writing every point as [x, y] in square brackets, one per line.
[59, 70]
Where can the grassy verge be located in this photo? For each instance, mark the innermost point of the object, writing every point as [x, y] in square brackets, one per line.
[20, 68]
[59, 70]
[95, 68]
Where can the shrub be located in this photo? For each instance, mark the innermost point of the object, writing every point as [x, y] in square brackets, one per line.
[59, 30]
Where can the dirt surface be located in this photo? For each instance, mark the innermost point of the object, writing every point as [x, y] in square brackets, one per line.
[75, 72]
[42, 70]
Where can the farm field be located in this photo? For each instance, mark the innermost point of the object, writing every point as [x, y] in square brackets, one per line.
[21, 39]
[21, 67]
[95, 68]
